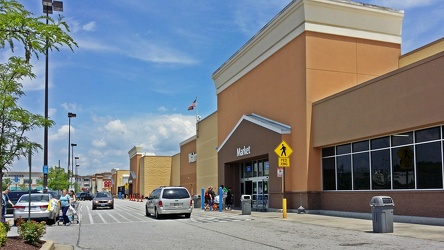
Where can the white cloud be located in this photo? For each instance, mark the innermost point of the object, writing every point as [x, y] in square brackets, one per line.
[61, 133]
[162, 109]
[99, 143]
[116, 126]
[91, 26]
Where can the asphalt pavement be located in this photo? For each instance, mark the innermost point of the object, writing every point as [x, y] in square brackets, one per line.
[411, 230]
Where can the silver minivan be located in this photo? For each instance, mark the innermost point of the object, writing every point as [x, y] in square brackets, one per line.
[169, 200]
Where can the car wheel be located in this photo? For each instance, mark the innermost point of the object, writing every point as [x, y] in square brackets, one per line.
[156, 214]
[112, 207]
[146, 212]
[94, 208]
[188, 215]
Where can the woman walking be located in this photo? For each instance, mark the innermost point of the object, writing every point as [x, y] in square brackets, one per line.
[65, 202]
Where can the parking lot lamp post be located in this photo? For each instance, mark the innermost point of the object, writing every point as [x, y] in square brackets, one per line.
[48, 7]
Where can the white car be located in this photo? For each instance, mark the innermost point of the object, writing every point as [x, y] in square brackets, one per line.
[169, 200]
[40, 208]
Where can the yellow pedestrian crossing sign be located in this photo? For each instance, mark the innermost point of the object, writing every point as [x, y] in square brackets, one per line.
[283, 150]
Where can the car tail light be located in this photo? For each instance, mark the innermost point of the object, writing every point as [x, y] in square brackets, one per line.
[43, 207]
[191, 203]
[160, 204]
[19, 207]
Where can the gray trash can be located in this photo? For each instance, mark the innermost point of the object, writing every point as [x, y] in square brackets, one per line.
[382, 214]
[197, 201]
[246, 204]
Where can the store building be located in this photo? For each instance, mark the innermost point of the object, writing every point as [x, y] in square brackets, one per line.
[323, 77]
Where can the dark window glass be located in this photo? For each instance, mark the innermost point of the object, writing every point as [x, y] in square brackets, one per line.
[403, 169]
[383, 142]
[402, 139]
[429, 134]
[361, 171]
[328, 173]
[360, 146]
[330, 151]
[176, 193]
[428, 165]
[381, 174]
[343, 149]
[344, 172]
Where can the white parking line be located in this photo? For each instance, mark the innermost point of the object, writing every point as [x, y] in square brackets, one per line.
[113, 217]
[103, 219]
[90, 216]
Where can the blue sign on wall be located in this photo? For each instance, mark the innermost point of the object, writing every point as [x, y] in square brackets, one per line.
[16, 179]
[45, 169]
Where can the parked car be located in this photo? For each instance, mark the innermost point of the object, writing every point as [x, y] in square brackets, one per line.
[14, 196]
[85, 196]
[169, 200]
[103, 199]
[78, 195]
[38, 209]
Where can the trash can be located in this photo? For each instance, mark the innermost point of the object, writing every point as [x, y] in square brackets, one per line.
[382, 214]
[246, 204]
[197, 201]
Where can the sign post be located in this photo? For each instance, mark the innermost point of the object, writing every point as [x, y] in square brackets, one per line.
[283, 151]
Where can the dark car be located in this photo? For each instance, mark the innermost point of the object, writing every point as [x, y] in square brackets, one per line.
[103, 199]
[85, 197]
[14, 196]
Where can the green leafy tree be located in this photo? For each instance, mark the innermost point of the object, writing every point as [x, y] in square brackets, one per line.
[19, 27]
[57, 178]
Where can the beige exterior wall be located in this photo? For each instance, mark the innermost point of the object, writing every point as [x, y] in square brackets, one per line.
[187, 166]
[206, 146]
[311, 50]
[135, 154]
[118, 180]
[422, 53]
[175, 170]
[156, 172]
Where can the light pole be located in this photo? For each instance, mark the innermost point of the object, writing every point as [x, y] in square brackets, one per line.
[75, 172]
[70, 179]
[70, 115]
[48, 7]
[77, 176]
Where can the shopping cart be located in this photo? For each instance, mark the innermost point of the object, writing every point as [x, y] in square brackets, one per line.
[72, 214]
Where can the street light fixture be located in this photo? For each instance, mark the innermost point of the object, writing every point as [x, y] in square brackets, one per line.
[70, 115]
[48, 7]
[70, 176]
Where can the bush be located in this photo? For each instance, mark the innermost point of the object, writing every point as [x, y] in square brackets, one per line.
[4, 229]
[31, 231]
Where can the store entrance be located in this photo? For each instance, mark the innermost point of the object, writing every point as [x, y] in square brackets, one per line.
[254, 181]
[258, 189]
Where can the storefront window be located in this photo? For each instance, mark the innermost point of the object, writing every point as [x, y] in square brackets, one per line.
[266, 168]
[344, 172]
[261, 168]
[429, 165]
[255, 168]
[361, 171]
[409, 160]
[328, 173]
[403, 168]
[248, 170]
[381, 174]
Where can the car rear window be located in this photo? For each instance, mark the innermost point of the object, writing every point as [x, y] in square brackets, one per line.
[175, 193]
[36, 198]
[99, 195]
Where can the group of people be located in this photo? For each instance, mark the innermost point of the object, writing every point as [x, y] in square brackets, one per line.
[67, 201]
[211, 199]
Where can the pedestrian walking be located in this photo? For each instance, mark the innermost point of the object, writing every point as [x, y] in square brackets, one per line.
[5, 202]
[229, 199]
[65, 202]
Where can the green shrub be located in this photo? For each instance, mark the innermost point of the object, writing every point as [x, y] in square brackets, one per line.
[31, 231]
[4, 233]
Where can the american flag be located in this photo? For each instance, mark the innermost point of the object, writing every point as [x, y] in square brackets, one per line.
[193, 104]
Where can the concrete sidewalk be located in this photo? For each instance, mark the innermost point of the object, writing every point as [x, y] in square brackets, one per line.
[419, 231]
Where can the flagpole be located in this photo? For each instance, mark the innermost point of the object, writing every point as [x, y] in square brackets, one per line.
[197, 113]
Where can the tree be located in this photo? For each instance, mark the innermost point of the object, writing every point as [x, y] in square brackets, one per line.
[17, 25]
[57, 178]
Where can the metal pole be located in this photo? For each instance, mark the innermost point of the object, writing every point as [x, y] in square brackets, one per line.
[45, 140]
[69, 143]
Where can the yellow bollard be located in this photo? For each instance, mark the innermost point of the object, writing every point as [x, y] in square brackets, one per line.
[284, 208]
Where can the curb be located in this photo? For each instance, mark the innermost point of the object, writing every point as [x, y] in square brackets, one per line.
[49, 245]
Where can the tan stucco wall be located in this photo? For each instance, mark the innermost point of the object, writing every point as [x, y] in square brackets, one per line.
[188, 169]
[157, 172]
[175, 170]
[408, 98]
[206, 146]
[310, 67]
[135, 154]
[422, 53]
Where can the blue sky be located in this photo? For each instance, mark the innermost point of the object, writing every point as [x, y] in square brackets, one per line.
[140, 64]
